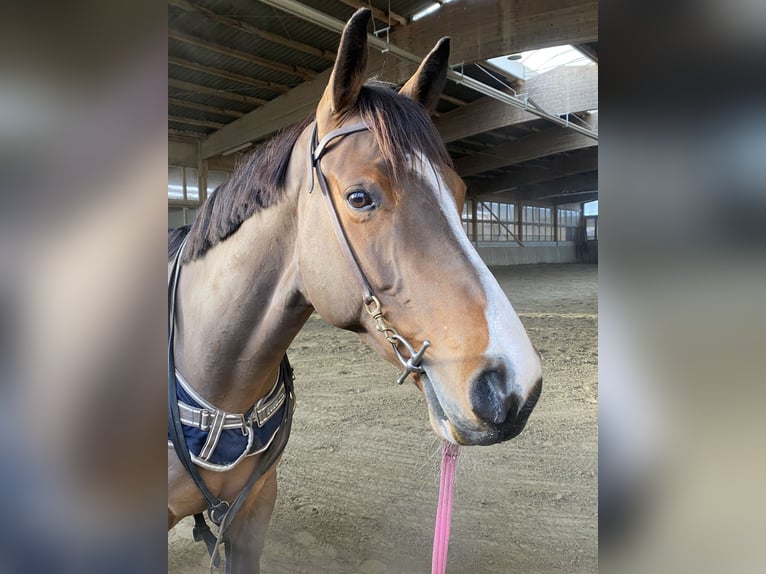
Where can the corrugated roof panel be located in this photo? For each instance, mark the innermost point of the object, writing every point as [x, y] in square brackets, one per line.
[218, 83]
[224, 62]
[407, 8]
[203, 27]
[209, 100]
[276, 22]
[272, 21]
[187, 128]
[176, 110]
[341, 11]
[333, 8]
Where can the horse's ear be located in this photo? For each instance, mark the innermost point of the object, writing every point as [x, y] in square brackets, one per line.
[348, 74]
[427, 82]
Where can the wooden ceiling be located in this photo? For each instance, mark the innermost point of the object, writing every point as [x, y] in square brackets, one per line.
[241, 70]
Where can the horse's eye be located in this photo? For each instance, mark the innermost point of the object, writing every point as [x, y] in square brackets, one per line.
[360, 200]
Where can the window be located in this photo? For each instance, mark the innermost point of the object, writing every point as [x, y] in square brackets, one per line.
[214, 179]
[175, 182]
[497, 222]
[183, 183]
[183, 193]
[192, 184]
[494, 221]
[465, 217]
[537, 223]
[569, 221]
[591, 227]
[526, 65]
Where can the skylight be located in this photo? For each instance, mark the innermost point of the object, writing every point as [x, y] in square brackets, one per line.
[526, 65]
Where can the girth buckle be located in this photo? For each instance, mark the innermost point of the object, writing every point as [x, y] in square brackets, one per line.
[217, 512]
[205, 419]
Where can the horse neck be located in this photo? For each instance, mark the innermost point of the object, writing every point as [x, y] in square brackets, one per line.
[239, 307]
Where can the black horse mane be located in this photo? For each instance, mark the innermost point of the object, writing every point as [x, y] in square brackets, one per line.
[175, 239]
[400, 126]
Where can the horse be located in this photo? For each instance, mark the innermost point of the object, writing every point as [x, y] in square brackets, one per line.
[353, 213]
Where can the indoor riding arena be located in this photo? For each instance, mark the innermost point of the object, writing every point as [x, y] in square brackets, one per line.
[359, 478]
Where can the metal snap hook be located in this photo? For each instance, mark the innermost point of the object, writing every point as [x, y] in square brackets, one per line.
[411, 361]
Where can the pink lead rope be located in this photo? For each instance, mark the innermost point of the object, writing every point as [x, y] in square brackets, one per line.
[444, 509]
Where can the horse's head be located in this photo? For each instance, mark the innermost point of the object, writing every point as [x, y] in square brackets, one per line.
[398, 203]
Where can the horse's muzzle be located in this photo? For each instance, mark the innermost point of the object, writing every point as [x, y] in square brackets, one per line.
[503, 417]
[496, 417]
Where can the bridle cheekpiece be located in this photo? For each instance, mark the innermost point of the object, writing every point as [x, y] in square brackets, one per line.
[409, 358]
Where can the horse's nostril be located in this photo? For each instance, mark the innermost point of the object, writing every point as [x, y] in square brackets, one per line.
[492, 398]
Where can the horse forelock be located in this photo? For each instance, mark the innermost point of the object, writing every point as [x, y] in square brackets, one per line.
[401, 127]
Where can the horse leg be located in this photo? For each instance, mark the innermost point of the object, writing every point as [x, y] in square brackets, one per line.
[184, 498]
[247, 533]
[172, 520]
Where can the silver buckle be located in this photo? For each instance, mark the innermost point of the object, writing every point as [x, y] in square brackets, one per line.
[262, 412]
[205, 419]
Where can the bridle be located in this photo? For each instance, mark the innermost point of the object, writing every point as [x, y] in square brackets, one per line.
[408, 357]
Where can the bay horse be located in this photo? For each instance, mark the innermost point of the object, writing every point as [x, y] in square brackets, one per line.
[355, 214]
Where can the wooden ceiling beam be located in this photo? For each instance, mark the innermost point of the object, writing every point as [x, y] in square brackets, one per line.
[303, 73]
[501, 137]
[194, 122]
[480, 30]
[557, 168]
[247, 80]
[558, 91]
[563, 190]
[185, 135]
[588, 50]
[559, 188]
[452, 100]
[572, 197]
[280, 112]
[377, 13]
[185, 154]
[576, 183]
[250, 29]
[196, 88]
[205, 108]
[533, 146]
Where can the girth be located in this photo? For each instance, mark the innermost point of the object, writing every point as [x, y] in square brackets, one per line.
[218, 440]
[203, 418]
